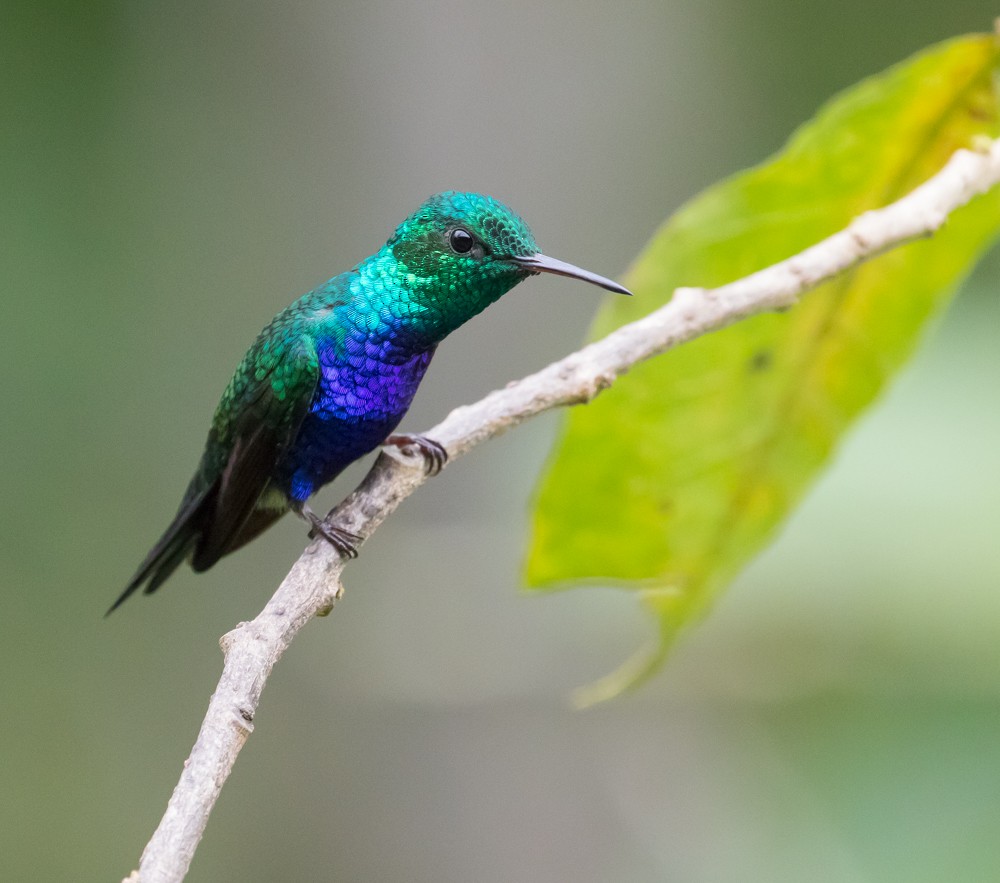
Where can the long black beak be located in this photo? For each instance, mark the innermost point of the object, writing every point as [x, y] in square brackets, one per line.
[540, 263]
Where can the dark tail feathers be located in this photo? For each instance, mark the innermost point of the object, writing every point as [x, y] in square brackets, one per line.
[172, 548]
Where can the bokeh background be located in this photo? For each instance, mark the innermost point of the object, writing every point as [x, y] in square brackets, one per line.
[171, 175]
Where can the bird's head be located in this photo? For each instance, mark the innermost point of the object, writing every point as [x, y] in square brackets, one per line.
[470, 249]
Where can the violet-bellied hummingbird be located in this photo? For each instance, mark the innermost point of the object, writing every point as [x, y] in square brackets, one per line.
[331, 376]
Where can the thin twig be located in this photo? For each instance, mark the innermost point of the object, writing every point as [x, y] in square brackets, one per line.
[313, 584]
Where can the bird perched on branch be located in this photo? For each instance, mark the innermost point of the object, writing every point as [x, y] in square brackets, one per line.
[331, 376]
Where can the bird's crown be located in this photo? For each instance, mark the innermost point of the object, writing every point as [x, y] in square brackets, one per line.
[470, 227]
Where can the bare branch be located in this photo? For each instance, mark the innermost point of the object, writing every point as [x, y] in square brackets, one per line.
[313, 585]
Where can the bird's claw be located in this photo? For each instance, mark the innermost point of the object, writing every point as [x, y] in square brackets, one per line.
[345, 542]
[342, 540]
[435, 456]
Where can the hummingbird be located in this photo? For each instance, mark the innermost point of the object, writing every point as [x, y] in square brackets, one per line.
[331, 376]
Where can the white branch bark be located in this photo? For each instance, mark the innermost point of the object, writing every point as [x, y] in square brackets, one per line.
[313, 584]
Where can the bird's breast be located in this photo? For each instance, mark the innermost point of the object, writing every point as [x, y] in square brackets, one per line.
[359, 400]
[367, 379]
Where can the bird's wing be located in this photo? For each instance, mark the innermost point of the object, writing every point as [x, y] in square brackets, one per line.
[259, 416]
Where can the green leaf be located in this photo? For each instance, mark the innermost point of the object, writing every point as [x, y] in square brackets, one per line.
[672, 480]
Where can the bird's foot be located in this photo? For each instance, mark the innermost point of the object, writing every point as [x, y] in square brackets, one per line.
[435, 456]
[345, 542]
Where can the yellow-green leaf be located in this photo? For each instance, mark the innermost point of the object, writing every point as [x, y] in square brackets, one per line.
[673, 479]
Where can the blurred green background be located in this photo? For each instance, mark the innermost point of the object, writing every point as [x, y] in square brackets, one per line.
[171, 175]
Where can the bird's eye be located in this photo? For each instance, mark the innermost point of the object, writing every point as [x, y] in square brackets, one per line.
[461, 241]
